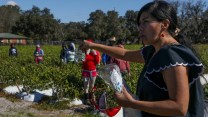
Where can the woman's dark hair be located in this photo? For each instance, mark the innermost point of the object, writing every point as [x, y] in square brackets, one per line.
[162, 10]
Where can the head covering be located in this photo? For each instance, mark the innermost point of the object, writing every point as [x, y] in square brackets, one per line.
[72, 46]
[37, 45]
[89, 40]
[112, 39]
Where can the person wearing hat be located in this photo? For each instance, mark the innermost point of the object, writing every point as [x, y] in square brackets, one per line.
[71, 52]
[38, 54]
[112, 41]
[89, 72]
[105, 57]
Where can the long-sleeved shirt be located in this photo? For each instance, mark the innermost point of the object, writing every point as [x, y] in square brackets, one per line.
[90, 62]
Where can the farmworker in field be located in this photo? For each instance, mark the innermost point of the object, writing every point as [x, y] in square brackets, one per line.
[38, 54]
[63, 53]
[13, 51]
[169, 83]
[71, 52]
[122, 64]
[105, 57]
[89, 72]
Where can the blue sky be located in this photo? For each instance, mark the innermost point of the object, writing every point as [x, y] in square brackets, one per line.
[79, 10]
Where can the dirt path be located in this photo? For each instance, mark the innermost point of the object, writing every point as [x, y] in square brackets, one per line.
[24, 109]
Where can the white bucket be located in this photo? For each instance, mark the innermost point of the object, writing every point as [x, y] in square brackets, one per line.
[120, 113]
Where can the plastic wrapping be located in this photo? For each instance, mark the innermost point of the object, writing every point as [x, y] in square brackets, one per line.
[112, 76]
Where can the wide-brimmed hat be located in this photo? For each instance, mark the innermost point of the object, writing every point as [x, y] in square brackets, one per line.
[112, 39]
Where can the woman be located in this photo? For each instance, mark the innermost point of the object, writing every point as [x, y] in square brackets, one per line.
[38, 54]
[123, 65]
[168, 84]
[89, 72]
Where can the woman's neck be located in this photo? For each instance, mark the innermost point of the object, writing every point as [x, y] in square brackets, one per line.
[164, 41]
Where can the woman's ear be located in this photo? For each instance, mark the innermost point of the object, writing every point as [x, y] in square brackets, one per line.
[165, 24]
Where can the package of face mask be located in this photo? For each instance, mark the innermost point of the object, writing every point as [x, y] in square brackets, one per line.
[112, 76]
[116, 80]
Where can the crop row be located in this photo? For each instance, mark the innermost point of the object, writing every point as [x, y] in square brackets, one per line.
[64, 79]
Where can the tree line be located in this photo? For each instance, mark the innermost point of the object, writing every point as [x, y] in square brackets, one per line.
[40, 24]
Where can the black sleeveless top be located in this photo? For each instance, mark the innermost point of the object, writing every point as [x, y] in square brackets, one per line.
[151, 86]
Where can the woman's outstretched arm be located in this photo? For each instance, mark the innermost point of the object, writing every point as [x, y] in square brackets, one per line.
[121, 53]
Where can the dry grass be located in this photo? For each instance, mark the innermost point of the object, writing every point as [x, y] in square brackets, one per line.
[45, 108]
